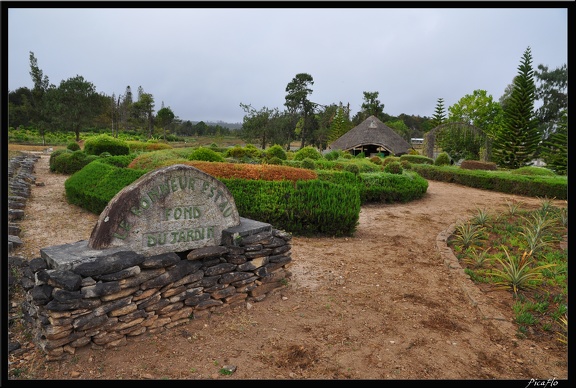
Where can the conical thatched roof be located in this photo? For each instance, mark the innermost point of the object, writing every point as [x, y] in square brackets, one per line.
[372, 132]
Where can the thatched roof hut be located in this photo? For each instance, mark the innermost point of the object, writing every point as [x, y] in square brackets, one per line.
[371, 136]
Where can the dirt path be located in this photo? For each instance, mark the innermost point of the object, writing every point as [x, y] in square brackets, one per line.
[380, 305]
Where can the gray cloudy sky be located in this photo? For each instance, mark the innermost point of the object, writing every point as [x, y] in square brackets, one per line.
[204, 62]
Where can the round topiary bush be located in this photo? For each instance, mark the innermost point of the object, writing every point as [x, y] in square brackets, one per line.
[308, 163]
[393, 168]
[275, 160]
[206, 154]
[333, 155]
[307, 152]
[105, 143]
[353, 168]
[73, 146]
[71, 162]
[376, 160]
[276, 151]
[442, 159]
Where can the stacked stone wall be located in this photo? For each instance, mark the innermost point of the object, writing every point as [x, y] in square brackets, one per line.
[105, 302]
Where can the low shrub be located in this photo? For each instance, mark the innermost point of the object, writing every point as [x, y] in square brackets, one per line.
[389, 188]
[393, 168]
[206, 154]
[308, 163]
[417, 159]
[478, 165]
[533, 170]
[95, 145]
[276, 151]
[73, 146]
[307, 152]
[376, 160]
[71, 162]
[333, 155]
[442, 159]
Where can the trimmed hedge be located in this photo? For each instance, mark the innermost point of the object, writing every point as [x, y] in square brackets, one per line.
[105, 143]
[501, 181]
[390, 188]
[70, 162]
[303, 208]
[96, 184]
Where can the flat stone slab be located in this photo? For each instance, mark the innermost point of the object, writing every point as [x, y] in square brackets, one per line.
[247, 227]
[69, 256]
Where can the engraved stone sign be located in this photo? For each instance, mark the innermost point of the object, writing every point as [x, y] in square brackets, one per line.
[172, 209]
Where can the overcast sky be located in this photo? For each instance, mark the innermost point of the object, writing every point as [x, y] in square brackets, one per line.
[204, 62]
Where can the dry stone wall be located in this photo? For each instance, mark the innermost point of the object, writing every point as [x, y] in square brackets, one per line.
[125, 294]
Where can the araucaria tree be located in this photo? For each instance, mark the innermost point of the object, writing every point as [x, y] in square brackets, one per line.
[517, 140]
[439, 114]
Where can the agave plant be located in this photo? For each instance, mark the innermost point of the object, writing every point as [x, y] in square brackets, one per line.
[513, 207]
[481, 217]
[563, 335]
[535, 230]
[468, 234]
[519, 274]
[477, 259]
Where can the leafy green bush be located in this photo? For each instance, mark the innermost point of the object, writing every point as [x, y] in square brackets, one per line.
[105, 143]
[119, 161]
[390, 159]
[206, 154]
[275, 160]
[376, 160]
[417, 159]
[308, 164]
[533, 170]
[352, 168]
[70, 162]
[333, 155]
[276, 151]
[97, 183]
[393, 168]
[73, 146]
[54, 155]
[442, 159]
[307, 152]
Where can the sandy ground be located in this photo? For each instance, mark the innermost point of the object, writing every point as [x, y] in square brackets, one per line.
[380, 305]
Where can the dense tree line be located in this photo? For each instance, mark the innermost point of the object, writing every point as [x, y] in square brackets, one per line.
[75, 105]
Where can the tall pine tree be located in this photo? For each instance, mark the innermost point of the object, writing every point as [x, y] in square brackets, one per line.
[517, 141]
[439, 114]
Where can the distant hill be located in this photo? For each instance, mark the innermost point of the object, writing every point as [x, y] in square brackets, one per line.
[221, 123]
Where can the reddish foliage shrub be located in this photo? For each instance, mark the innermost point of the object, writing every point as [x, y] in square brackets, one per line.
[477, 165]
[265, 172]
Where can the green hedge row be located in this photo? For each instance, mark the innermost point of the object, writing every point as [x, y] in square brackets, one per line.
[501, 181]
[96, 184]
[391, 188]
[304, 208]
[380, 186]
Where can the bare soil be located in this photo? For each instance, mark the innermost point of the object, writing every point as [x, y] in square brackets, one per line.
[380, 305]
